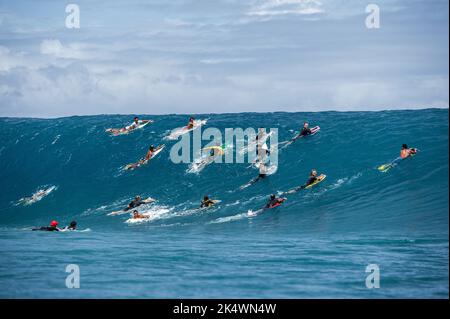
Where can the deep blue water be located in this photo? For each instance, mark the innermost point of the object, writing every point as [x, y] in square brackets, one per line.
[316, 245]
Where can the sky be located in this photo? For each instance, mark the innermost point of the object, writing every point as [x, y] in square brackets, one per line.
[221, 56]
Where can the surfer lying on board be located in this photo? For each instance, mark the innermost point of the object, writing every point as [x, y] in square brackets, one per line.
[132, 126]
[136, 215]
[406, 152]
[262, 175]
[274, 201]
[150, 152]
[304, 131]
[53, 227]
[207, 202]
[191, 123]
[72, 226]
[312, 178]
[137, 201]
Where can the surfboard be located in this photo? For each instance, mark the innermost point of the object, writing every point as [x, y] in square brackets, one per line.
[116, 132]
[133, 166]
[314, 131]
[386, 167]
[318, 180]
[37, 196]
[176, 133]
[281, 201]
[251, 213]
[148, 200]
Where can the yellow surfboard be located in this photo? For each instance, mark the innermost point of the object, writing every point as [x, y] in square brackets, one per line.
[319, 179]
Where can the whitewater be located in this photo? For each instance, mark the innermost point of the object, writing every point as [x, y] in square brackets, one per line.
[317, 244]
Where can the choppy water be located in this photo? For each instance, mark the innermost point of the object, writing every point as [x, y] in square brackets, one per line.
[317, 244]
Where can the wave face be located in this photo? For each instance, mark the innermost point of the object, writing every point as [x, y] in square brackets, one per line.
[317, 244]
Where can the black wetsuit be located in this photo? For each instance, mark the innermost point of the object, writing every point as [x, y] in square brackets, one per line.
[311, 180]
[134, 204]
[47, 228]
[305, 131]
[273, 202]
[206, 203]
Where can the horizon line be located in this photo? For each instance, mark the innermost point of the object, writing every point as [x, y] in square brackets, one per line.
[222, 113]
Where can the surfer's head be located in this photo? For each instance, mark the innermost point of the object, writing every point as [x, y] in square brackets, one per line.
[73, 224]
[138, 197]
[404, 147]
[136, 119]
[151, 147]
[313, 172]
[272, 197]
[54, 223]
[135, 214]
[205, 198]
[306, 124]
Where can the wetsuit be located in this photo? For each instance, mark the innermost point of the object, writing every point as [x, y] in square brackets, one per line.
[311, 180]
[47, 228]
[207, 203]
[133, 204]
[305, 131]
[273, 202]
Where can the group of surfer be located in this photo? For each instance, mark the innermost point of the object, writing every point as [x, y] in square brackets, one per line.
[215, 151]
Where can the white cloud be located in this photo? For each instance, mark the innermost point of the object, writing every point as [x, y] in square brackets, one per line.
[55, 48]
[284, 7]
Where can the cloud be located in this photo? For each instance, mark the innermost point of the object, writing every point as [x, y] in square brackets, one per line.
[57, 49]
[285, 7]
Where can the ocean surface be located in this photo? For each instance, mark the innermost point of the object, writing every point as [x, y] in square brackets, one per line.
[316, 245]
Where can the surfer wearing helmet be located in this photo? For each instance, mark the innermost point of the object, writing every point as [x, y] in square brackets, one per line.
[406, 152]
[53, 227]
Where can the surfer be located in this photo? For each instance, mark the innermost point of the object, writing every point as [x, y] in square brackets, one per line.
[136, 215]
[150, 152]
[406, 152]
[129, 128]
[274, 201]
[53, 227]
[304, 131]
[191, 123]
[207, 202]
[262, 174]
[312, 178]
[137, 201]
[72, 226]
[136, 123]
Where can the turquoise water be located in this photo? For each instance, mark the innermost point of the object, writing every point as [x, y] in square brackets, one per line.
[316, 245]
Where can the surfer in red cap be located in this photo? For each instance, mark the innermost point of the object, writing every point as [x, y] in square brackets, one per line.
[53, 227]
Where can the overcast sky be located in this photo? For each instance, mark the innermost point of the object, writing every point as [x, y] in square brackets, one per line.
[202, 56]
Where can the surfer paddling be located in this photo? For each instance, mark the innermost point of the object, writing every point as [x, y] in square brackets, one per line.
[136, 124]
[137, 215]
[191, 123]
[207, 202]
[274, 201]
[311, 180]
[152, 151]
[407, 152]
